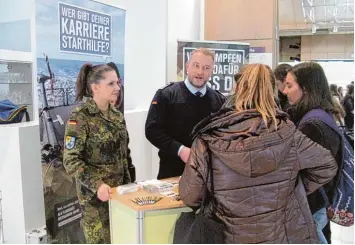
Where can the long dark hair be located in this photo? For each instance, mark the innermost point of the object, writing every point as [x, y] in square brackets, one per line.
[88, 75]
[316, 94]
[350, 88]
[333, 89]
[120, 100]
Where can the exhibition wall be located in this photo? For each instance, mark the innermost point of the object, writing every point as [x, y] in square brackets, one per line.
[225, 20]
[336, 46]
[184, 24]
[15, 22]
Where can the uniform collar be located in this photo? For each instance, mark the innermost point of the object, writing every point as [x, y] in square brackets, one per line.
[93, 109]
[193, 89]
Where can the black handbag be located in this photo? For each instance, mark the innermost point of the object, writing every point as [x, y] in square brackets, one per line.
[200, 226]
[132, 172]
[131, 167]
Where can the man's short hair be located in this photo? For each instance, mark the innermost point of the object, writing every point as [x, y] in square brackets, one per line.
[280, 71]
[204, 51]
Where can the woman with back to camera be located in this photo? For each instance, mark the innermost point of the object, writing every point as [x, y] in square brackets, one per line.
[334, 92]
[230, 101]
[256, 155]
[349, 107]
[307, 89]
[336, 100]
[341, 93]
[96, 143]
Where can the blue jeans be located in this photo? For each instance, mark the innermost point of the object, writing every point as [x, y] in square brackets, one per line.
[321, 220]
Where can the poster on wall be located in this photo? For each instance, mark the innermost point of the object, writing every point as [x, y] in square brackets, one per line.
[229, 59]
[258, 55]
[69, 33]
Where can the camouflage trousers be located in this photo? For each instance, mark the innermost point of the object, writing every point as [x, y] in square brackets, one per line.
[95, 222]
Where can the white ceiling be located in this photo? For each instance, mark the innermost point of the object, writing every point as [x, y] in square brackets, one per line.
[330, 14]
[290, 12]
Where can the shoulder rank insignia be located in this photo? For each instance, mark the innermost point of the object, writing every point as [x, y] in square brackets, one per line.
[169, 84]
[70, 142]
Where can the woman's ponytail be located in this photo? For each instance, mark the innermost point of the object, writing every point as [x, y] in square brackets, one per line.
[82, 81]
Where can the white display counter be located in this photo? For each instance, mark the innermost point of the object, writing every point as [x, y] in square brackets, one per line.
[21, 181]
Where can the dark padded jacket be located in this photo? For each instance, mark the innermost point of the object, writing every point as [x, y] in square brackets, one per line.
[256, 172]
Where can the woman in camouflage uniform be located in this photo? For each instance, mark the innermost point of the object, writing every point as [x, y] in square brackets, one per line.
[96, 143]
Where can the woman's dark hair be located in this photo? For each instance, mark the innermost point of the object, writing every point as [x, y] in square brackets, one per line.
[316, 94]
[113, 65]
[237, 76]
[333, 89]
[280, 71]
[87, 76]
[120, 100]
[350, 89]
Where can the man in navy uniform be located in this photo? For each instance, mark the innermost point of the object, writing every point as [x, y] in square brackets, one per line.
[177, 108]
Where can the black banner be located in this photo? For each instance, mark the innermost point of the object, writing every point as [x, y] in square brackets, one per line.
[67, 213]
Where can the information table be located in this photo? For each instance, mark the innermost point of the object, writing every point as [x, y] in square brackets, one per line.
[153, 223]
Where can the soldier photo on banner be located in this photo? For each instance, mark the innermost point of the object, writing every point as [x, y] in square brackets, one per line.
[229, 59]
[64, 43]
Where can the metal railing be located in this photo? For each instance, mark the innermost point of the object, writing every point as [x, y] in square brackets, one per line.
[336, 15]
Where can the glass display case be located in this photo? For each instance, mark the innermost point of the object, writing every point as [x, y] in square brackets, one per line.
[16, 84]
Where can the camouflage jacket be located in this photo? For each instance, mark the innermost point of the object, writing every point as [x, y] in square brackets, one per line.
[95, 149]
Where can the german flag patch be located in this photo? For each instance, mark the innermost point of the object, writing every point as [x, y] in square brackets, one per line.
[72, 122]
[154, 102]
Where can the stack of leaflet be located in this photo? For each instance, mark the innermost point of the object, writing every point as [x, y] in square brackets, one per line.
[122, 189]
[156, 186]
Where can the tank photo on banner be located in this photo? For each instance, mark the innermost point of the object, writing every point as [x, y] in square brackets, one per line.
[229, 59]
[69, 33]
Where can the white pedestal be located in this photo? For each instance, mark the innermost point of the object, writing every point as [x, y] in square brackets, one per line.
[341, 234]
[21, 181]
